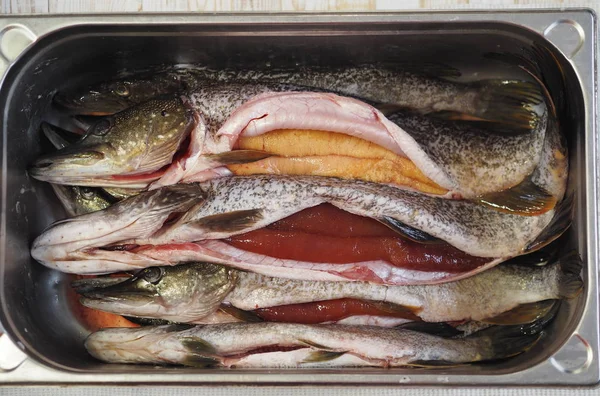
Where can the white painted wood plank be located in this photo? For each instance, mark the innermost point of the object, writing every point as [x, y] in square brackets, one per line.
[25, 6]
[80, 6]
[168, 5]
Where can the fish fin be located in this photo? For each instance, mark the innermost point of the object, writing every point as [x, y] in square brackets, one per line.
[388, 109]
[313, 344]
[148, 321]
[198, 346]
[491, 127]
[525, 199]
[539, 258]
[322, 356]
[54, 136]
[523, 313]
[557, 226]
[238, 157]
[510, 103]
[175, 327]
[407, 231]
[439, 329]
[200, 361]
[246, 316]
[404, 311]
[508, 109]
[237, 220]
[507, 341]
[571, 282]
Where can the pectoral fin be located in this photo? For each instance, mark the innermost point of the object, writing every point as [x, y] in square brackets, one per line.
[246, 316]
[322, 356]
[408, 232]
[439, 329]
[237, 157]
[198, 346]
[229, 222]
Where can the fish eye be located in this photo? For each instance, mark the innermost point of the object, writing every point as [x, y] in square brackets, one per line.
[102, 127]
[121, 90]
[87, 193]
[153, 275]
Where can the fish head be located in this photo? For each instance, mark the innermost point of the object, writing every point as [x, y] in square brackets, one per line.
[129, 147]
[114, 96]
[181, 293]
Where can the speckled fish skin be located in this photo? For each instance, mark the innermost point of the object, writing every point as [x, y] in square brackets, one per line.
[368, 82]
[474, 229]
[476, 161]
[231, 345]
[184, 298]
[254, 202]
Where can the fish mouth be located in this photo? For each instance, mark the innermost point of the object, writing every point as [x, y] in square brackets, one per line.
[68, 163]
[113, 294]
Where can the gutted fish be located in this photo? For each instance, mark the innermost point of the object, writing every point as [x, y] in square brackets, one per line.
[451, 158]
[183, 223]
[191, 292]
[317, 134]
[298, 345]
[499, 101]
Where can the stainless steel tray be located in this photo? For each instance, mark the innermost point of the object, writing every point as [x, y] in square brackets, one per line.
[39, 54]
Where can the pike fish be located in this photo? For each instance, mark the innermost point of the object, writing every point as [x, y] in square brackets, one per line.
[206, 293]
[499, 101]
[464, 161]
[298, 345]
[187, 222]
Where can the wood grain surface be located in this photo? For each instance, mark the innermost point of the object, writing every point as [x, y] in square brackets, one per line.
[87, 6]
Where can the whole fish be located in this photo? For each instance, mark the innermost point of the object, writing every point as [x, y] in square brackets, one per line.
[493, 100]
[298, 345]
[187, 222]
[192, 292]
[478, 162]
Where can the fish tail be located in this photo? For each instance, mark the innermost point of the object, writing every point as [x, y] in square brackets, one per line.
[571, 282]
[508, 341]
[503, 107]
[524, 199]
[511, 103]
[557, 226]
[523, 313]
